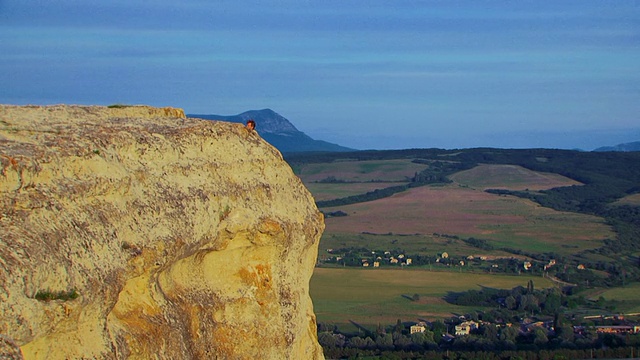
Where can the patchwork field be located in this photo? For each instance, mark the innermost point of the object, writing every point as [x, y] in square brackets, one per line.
[370, 297]
[454, 210]
[423, 220]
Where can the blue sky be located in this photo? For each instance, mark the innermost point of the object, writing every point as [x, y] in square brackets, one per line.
[365, 74]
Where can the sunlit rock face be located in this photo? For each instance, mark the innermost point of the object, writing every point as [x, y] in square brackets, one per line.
[134, 232]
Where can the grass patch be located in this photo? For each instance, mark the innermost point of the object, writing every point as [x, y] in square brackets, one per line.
[411, 244]
[372, 296]
[625, 298]
[362, 171]
[511, 177]
[48, 295]
[630, 200]
[330, 191]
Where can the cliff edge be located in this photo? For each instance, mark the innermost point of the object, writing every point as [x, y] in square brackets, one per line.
[134, 232]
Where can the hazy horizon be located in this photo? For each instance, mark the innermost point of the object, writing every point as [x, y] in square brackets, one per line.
[542, 139]
[366, 75]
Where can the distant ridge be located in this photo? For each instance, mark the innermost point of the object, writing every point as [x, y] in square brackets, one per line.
[632, 146]
[278, 131]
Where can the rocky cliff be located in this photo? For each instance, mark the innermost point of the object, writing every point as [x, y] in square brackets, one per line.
[134, 232]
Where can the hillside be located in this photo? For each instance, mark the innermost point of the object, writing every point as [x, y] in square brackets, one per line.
[278, 131]
[135, 232]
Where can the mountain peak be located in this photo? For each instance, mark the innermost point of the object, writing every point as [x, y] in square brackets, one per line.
[278, 131]
[269, 121]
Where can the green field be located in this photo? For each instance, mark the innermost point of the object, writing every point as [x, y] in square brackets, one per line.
[371, 296]
[631, 200]
[360, 171]
[330, 191]
[627, 298]
[511, 177]
[414, 244]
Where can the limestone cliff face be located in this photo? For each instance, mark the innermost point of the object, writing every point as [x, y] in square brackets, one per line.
[156, 236]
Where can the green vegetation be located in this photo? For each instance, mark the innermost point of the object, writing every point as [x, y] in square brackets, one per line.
[568, 221]
[606, 178]
[369, 297]
[224, 213]
[48, 295]
[354, 171]
[328, 191]
[118, 106]
[436, 173]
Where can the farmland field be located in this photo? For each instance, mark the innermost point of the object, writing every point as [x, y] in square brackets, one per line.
[360, 171]
[511, 177]
[453, 210]
[373, 296]
[632, 200]
[330, 191]
[626, 297]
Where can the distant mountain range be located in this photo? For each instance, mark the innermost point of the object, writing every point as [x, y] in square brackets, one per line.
[632, 146]
[278, 131]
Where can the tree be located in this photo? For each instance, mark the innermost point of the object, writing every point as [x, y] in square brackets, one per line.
[420, 339]
[398, 328]
[552, 303]
[540, 336]
[357, 342]
[385, 342]
[327, 340]
[439, 329]
[490, 332]
[509, 334]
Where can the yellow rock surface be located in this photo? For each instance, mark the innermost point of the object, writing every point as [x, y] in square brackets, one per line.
[182, 238]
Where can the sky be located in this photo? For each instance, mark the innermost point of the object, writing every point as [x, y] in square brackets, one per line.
[366, 74]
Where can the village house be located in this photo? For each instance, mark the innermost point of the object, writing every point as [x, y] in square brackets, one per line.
[466, 327]
[419, 327]
[619, 329]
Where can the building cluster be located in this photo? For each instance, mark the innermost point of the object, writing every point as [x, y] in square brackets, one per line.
[528, 326]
